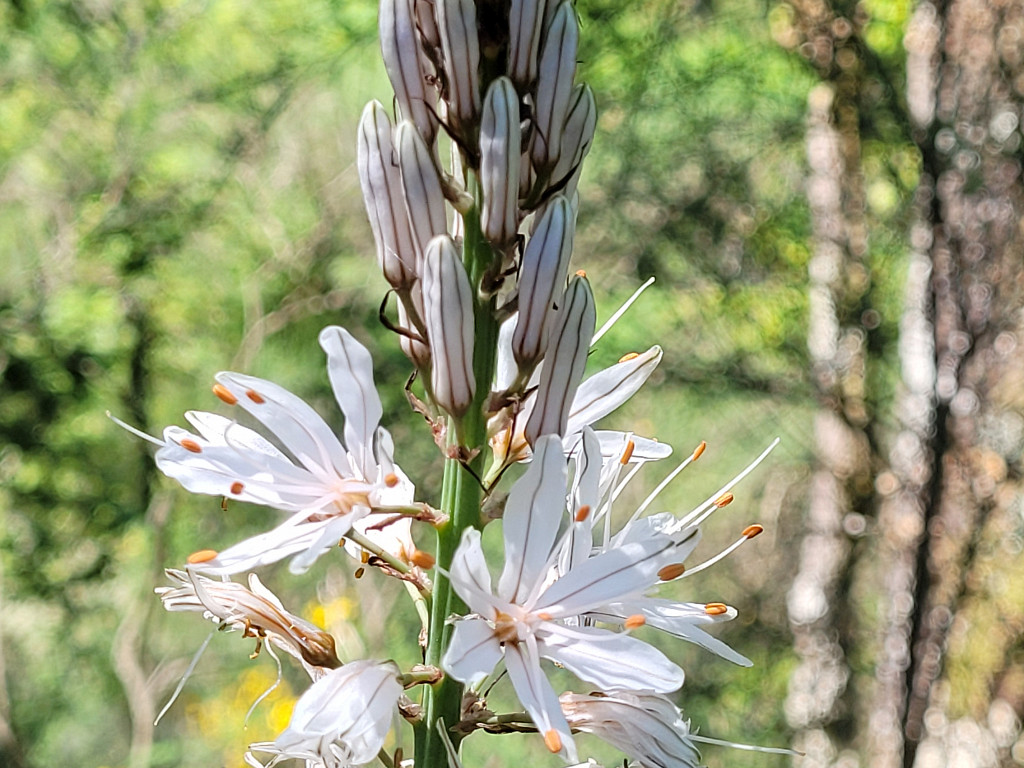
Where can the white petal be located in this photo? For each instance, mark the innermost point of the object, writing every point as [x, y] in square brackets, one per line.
[609, 577]
[533, 513]
[469, 575]
[352, 705]
[679, 620]
[606, 390]
[293, 536]
[536, 695]
[473, 651]
[610, 660]
[350, 369]
[299, 428]
[644, 449]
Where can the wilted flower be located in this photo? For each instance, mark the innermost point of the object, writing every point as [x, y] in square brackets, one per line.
[256, 611]
[643, 724]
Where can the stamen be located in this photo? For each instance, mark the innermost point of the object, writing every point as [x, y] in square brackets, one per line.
[705, 510]
[581, 273]
[748, 533]
[544, 616]
[716, 609]
[224, 394]
[190, 445]
[628, 453]
[359, 572]
[753, 530]
[391, 480]
[671, 571]
[255, 396]
[698, 451]
[620, 312]
[582, 513]
[724, 500]
[553, 741]
[202, 556]
[629, 356]
[341, 542]
[424, 560]
[364, 557]
[635, 621]
[237, 487]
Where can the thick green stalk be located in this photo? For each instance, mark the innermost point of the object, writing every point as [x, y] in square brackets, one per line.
[461, 496]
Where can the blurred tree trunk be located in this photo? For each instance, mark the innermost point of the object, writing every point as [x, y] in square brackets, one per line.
[840, 495]
[957, 496]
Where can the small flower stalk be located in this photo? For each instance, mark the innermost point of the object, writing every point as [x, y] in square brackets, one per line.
[475, 246]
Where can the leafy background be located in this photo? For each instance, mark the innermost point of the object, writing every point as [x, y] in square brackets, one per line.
[178, 196]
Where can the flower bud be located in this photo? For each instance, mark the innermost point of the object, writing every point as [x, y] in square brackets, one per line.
[448, 314]
[554, 86]
[541, 281]
[564, 361]
[577, 137]
[456, 22]
[526, 24]
[407, 66]
[424, 199]
[500, 150]
[382, 194]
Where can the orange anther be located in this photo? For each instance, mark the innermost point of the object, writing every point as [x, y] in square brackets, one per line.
[190, 445]
[544, 616]
[202, 556]
[553, 741]
[582, 513]
[671, 571]
[634, 621]
[341, 542]
[753, 530]
[424, 560]
[237, 487]
[581, 273]
[391, 480]
[224, 394]
[255, 396]
[628, 453]
[724, 500]
[629, 356]
[364, 557]
[716, 609]
[698, 451]
[359, 572]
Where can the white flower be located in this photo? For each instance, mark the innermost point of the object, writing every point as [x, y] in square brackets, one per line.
[523, 620]
[255, 611]
[646, 726]
[342, 720]
[327, 486]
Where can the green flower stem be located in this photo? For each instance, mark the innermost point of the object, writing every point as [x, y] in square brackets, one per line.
[461, 496]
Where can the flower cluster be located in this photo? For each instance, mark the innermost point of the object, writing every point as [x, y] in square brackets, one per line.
[475, 248]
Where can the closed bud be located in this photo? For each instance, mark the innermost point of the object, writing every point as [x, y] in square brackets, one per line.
[577, 136]
[407, 66]
[456, 22]
[500, 150]
[526, 24]
[448, 314]
[541, 281]
[382, 194]
[554, 86]
[421, 185]
[564, 361]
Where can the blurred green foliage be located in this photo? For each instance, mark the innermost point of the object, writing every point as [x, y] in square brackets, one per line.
[178, 196]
